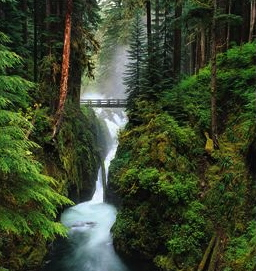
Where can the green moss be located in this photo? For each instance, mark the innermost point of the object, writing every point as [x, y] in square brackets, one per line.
[73, 160]
[153, 177]
[174, 194]
[74, 157]
[20, 253]
[241, 249]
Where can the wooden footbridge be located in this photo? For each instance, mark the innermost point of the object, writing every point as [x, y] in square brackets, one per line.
[104, 102]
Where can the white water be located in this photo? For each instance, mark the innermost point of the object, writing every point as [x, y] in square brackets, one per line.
[89, 245]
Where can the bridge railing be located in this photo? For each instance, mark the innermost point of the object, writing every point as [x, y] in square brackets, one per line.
[104, 102]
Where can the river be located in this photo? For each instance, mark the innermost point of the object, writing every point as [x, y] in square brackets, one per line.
[89, 244]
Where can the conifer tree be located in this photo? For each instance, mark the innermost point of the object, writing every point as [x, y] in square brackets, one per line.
[167, 36]
[28, 202]
[64, 68]
[136, 57]
[155, 78]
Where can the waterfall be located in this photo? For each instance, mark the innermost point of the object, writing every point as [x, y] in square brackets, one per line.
[114, 120]
[89, 244]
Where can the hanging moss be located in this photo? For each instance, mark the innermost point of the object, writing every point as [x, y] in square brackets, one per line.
[74, 158]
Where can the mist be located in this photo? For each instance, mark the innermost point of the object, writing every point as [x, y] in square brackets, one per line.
[111, 84]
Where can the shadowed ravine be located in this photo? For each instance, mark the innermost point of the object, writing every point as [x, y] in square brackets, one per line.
[89, 244]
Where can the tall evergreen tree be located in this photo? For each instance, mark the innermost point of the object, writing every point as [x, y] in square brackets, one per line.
[177, 39]
[252, 31]
[64, 68]
[136, 57]
[166, 26]
[214, 122]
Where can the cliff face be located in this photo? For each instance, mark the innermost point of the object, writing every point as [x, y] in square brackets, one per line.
[76, 158]
[181, 203]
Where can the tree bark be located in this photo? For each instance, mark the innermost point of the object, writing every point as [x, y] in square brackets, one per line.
[245, 27]
[65, 69]
[202, 46]
[47, 14]
[149, 28]
[252, 20]
[215, 254]
[213, 84]
[197, 55]
[177, 40]
[207, 254]
[25, 21]
[35, 41]
[157, 22]
[228, 26]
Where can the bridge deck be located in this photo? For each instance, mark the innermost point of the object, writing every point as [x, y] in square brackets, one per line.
[104, 102]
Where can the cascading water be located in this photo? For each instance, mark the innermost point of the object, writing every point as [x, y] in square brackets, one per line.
[89, 244]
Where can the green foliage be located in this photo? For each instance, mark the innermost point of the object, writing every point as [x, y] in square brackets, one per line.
[85, 46]
[187, 237]
[189, 100]
[152, 174]
[10, 85]
[28, 198]
[237, 87]
[180, 189]
[240, 254]
[148, 178]
[161, 165]
[19, 32]
[78, 152]
[29, 202]
[238, 57]
[136, 56]
[114, 31]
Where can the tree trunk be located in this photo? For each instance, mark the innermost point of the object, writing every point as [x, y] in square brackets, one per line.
[65, 68]
[252, 20]
[35, 41]
[202, 46]
[192, 58]
[207, 254]
[197, 55]
[228, 26]
[165, 31]
[177, 40]
[213, 84]
[157, 22]
[149, 28]
[47, 14]
[215, 254]
[245, 27]
[25, 21]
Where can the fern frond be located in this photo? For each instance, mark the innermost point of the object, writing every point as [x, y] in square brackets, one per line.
[8, 59]
[10, 86]
[13, 222]
[28, 202]
[48, 228]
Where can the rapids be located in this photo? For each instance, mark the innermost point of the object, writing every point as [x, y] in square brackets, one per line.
[89, 244]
